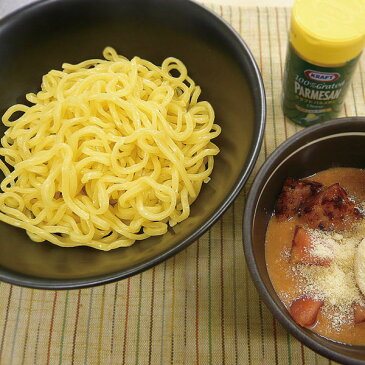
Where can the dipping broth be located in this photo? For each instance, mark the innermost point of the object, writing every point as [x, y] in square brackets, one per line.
[291, 275]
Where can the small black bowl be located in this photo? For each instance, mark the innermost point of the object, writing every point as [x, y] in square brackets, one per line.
[337, 143]
[42, 36]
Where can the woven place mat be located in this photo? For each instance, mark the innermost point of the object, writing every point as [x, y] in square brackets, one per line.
[199, 307]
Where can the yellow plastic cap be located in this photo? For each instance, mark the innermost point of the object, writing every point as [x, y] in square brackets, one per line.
[328, 32]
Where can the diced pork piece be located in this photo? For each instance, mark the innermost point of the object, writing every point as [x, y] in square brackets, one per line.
[359, 313]
[293, 194]
[331, 209]
[305, 311]
[301, 249]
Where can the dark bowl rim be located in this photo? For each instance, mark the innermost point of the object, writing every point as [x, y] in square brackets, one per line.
[249, 213]
[259, 99]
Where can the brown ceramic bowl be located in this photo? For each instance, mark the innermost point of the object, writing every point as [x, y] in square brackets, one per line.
[337, 143]
[42, 36]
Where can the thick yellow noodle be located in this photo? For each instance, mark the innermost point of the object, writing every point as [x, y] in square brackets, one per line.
[111, 152]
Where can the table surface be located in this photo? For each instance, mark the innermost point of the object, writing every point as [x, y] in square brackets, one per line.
[199, 307]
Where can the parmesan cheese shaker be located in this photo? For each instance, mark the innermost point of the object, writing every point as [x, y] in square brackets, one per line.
[325, 42]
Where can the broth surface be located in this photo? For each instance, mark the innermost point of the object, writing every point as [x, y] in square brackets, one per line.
[279, 238]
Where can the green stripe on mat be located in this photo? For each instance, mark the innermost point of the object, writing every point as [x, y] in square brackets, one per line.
[63, 327]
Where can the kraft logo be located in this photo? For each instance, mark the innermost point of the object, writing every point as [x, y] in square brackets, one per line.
[321, 76]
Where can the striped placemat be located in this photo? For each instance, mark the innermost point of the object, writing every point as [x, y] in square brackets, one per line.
[199, 307]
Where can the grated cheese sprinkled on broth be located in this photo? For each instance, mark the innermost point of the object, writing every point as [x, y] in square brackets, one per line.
[334, 284]
[323, 246]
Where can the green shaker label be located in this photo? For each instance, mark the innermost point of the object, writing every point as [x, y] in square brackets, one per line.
[312, 93]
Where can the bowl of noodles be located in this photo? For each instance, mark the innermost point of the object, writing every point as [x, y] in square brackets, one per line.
[127, 130]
